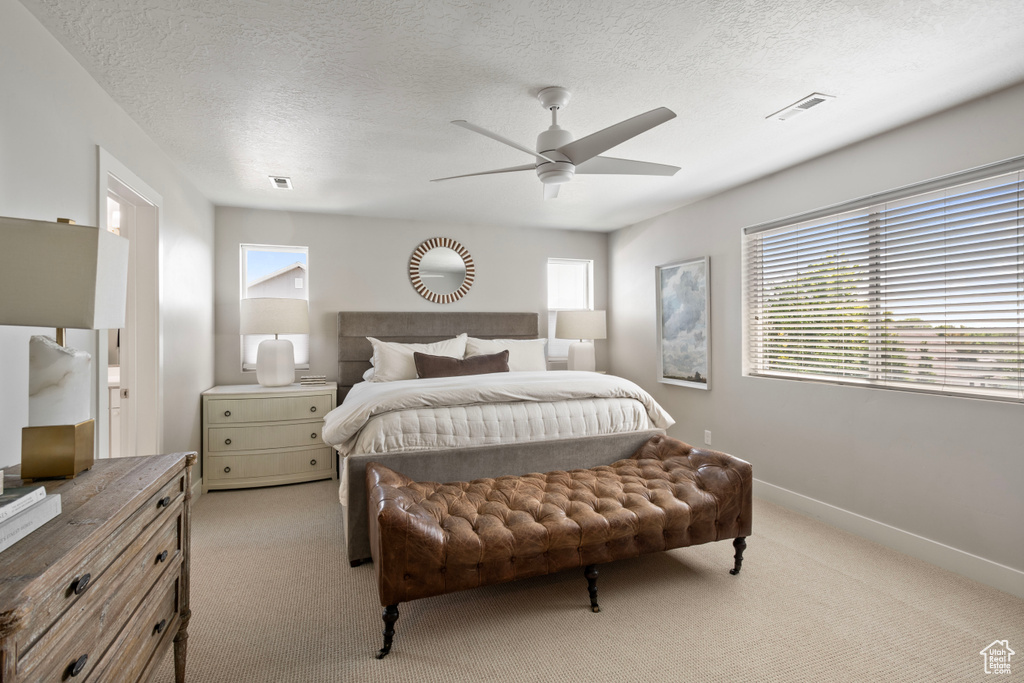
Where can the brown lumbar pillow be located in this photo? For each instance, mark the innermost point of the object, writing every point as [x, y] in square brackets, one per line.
[444, 366]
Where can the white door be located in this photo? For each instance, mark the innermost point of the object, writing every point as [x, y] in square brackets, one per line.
[136, 347]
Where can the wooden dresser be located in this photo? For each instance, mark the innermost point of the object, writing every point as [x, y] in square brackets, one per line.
[100, 592]
[264, 436]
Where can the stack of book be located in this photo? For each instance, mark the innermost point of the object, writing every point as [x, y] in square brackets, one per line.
[23, 510]
[311, 380]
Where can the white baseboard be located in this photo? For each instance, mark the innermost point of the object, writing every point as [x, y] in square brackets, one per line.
[197, 489]
[973, 567]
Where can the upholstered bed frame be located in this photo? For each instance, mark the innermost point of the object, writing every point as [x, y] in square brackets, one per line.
[459, 464]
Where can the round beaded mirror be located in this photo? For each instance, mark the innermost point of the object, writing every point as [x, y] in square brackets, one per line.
[441, 270]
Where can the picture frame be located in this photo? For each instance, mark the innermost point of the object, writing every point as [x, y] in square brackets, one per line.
[684, 322]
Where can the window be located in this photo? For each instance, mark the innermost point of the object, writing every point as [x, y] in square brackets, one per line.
[274, 272]
[922, 289]
[570, 288]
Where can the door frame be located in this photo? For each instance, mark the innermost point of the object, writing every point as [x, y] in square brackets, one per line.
[148, 372]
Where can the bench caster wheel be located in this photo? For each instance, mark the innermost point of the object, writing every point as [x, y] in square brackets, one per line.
[390, 616]
[590, 571]
[740, 544]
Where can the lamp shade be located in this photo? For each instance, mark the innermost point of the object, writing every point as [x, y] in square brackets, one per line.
[274, 316]
[580, 325]
[62, 275]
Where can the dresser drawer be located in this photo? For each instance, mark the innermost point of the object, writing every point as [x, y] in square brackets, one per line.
[104, 608]
[296, 435]
[226, 467]
[155, 623]
[268, 409]
[102, 566]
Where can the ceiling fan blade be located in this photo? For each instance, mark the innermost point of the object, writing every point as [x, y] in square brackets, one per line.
[510, 169]
[611, 165]
[505, 141]
[603, 140]
[551, 191]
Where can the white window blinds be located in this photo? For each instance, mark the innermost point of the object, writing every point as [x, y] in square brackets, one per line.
[570, 288]
[922, 292]
[277, 272]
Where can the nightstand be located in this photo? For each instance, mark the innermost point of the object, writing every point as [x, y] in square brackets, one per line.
[264, 436]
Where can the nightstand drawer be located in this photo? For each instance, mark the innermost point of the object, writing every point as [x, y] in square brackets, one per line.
[227, 467]
[268, 409]
[227, 439]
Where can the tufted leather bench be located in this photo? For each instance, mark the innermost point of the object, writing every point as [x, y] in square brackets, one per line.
[428, 538]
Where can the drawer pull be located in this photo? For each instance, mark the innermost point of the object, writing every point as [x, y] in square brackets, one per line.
[227, 413]
[227, 442]
[312, 409]
[313, 435]
[161, 557]
[313, 462]
[81, 583]
[227, 470]
[159, 628]
[75, 667]
[163, 502]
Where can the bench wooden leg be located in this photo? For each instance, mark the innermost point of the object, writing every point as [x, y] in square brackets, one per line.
[390, 616]
[740, 544]
[590, 571]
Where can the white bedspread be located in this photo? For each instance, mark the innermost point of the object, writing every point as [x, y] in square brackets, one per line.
[494, 408]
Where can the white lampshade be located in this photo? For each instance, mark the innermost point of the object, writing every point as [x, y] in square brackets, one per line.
[62, 275]
[580, 325]
[274, 316]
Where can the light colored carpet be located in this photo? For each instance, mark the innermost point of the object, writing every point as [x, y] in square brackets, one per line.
[274, 599]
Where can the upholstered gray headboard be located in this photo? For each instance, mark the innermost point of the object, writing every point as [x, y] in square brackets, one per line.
[354, 327]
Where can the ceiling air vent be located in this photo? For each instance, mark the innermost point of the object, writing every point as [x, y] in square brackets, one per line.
[813, 100]
[281, 182]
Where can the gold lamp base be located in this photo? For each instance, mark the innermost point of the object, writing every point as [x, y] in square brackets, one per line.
[56, 451]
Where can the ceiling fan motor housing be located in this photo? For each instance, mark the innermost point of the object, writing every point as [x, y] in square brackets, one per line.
[561, 170]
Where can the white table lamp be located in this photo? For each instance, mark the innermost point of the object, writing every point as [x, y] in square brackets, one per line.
[585, 326]
[275, 358]
[60, 275]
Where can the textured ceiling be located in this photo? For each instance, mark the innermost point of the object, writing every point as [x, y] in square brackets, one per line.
[352, 99]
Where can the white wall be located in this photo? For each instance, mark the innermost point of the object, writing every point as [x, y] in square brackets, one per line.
[948, 469]
[53, 116]
[361, 264]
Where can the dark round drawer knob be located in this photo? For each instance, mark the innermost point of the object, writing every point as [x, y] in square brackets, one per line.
[227, 442]
[313, 462]
[161, 557]
[81, 583]
[159, 628]
[313, 435]
[312, 409]
[163, 502]
[227, 413]
[76, 666]
[226, 470]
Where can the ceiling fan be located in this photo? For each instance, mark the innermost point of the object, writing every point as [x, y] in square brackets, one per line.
[559, 157]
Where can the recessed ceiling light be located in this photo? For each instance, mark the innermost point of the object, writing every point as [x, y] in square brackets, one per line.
[799, 107]
[281, 182]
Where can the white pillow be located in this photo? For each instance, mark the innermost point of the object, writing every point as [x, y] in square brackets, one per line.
[524, 355]
[368, 375]
[393, 360]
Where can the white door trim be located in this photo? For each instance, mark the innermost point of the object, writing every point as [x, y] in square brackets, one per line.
[149, 293]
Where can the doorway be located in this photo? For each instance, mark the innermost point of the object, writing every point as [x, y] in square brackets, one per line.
[128, 372]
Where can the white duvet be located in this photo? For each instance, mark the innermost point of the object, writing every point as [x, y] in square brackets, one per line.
[493, 408]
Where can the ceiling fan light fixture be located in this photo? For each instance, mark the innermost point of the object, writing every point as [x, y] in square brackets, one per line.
[558, 175]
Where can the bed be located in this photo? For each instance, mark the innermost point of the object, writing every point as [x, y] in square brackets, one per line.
[464, 428]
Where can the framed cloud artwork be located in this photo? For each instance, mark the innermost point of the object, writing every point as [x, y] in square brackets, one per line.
[684, 323]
